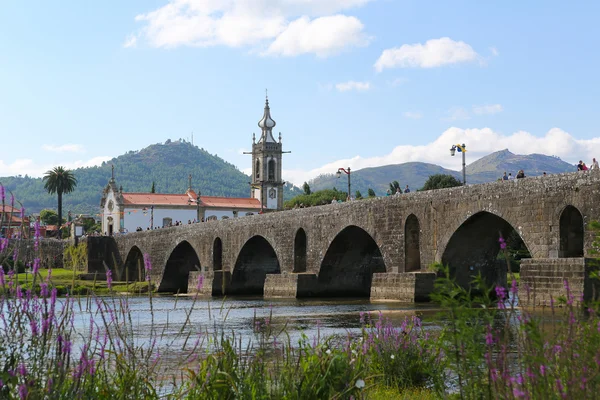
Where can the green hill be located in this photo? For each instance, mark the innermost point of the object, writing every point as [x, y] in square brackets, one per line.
[168, 165]
[414, 174]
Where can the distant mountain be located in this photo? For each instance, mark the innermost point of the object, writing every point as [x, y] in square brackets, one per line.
[414, 174]
[167, 165]
[492, 167]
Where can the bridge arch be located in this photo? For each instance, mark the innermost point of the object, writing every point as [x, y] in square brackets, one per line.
[412, 250]
[256, 259]
[349, 263]
[473, 249]
[571, 233]
[182, 260]
[217, 254]
[133, 269]
[300, 251]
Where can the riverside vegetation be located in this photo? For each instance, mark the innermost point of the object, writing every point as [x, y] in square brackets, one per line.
[486, 348]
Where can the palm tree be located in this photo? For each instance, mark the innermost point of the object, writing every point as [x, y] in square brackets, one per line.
[59, 181]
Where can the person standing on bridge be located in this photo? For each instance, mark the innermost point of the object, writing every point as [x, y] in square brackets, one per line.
[594, 164]
[406, 189]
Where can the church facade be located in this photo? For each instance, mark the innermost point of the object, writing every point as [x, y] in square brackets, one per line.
[123, 212]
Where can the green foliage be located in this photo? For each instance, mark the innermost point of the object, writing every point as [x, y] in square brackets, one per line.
[49, 217]
[75, 257]
[153, 188]
[306, 188]
[90, 225]
[358, 195]
[395, 185]
[371, 193]
[440, 181]
[60, 181]
[316, 198]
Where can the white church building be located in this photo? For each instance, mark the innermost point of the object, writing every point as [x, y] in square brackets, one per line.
[127, 212]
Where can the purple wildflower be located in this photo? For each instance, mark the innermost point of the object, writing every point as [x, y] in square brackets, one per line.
[513, 288]
[489, 338]
[502, 243]
[200, 282]
[36, 265]
[147, 266]
[109, 279]
[501, 292]
[22, 369]
[23, 392]
[542, 370]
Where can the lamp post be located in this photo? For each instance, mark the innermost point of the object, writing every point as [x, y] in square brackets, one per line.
[347, 172]
[197, 201]
[461, 149]
[145, 210]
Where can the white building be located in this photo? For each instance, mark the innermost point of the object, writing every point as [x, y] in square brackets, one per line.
[126, 212]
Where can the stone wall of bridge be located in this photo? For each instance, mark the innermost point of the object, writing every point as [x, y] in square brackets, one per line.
[343, 245]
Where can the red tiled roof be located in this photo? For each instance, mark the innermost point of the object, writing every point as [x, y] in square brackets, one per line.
[189, 200]
[156, 199]
[230, 202]
[9, 209]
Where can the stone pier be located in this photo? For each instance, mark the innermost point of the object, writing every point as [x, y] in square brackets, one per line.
[406, 287]
[543, 279]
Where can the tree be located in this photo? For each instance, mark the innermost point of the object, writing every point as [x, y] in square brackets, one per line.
[358, 195]
[49, 217]
[440, 181]
[394, 186]
[153, 189]
[59, 180]
[371, 193]
[306, 188]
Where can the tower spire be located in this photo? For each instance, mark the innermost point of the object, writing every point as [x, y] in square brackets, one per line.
[267, 123]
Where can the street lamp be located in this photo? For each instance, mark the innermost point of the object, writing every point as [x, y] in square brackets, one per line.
[145, 210]
[461, 149]
[347, 172]
[197, 201]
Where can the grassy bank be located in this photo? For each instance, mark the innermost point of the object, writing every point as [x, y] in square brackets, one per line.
[68, 282]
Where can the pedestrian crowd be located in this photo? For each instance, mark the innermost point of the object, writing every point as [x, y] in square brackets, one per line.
[581, 166]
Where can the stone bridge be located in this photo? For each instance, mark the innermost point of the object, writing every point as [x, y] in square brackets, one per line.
[379, 247]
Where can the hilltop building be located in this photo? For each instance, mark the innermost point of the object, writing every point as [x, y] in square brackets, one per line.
[267, 183]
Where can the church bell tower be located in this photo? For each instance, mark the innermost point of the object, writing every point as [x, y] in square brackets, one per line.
[267, 184]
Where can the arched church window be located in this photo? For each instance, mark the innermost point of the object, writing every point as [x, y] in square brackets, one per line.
[257, 169]
[271, 170]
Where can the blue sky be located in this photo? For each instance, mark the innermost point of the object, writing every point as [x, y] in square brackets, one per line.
[354, 83]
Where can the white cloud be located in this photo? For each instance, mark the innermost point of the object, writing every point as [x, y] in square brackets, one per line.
[434, 53]
[487, 109]
[284, 27]
[323, 36]
[479, 143]
[412, 115]
[352, 85]
[130, 41]
[494, 51]
[65, 148]
[398, 82]
[457, 114]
